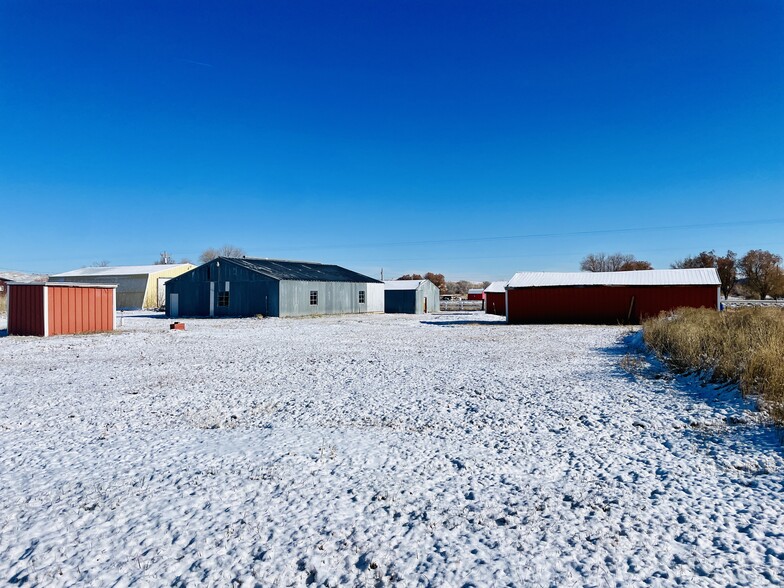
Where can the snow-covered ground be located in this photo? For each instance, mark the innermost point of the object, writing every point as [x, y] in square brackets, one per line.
[362, 450]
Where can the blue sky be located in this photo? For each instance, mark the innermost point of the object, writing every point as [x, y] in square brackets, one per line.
[474, 139]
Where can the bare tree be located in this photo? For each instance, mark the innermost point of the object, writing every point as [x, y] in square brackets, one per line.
[727, 267]
[438, 279]
[410, 277]
[225, 251]
[761, 270]
[616, 262]
[102, 263]
[703, 259]
[635, 265]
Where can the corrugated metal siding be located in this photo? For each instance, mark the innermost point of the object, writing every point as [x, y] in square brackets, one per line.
[26, 310]
[400, 301]
[131, 290]
[428, 290]
[375, 297]
[601, 304]
[250, 293]
[333, 298]
[80, 310]
[413, 301]
[495, 303]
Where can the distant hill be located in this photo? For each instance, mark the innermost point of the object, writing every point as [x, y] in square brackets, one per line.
[15, 276]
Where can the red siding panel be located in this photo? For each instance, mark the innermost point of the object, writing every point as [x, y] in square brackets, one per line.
[26, 310]
[495, 303]
[603, 304]
[80, 310]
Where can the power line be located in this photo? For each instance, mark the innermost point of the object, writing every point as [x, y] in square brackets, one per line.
[545, 235]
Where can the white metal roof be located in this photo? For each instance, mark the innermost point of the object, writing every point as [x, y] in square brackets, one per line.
[475, 290]
[122, 270]
[402, 284]
[64, 284]
[669, 277]
[497, 287]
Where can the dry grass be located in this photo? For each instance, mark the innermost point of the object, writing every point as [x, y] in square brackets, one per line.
[743, 346]
[2, 305]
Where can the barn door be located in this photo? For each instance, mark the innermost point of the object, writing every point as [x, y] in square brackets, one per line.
[425, 304]
[174, 303]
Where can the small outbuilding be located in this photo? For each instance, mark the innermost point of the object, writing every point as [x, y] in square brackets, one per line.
[476, 294]
[608, 297]
[138, 286]
[236, 287]
[495, 298]
[56, 308]
[411, 297]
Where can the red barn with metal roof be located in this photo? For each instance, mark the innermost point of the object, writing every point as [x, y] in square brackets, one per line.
[43, 309]
[608, 297]
[495, 298]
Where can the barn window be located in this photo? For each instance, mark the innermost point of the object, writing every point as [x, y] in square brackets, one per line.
[313, 297]
[223, 298]
[362, 297]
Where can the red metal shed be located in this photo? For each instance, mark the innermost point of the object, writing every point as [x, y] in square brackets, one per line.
[476, 294]
[608, 297]
[50, 308]
[495, 298]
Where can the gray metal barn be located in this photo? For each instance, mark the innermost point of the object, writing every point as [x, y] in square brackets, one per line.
[236, 287]
[411, 296]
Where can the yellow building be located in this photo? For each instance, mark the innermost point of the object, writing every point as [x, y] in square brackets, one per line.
[138, 286]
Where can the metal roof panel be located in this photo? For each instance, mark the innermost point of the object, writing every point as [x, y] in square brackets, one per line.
[669, 277]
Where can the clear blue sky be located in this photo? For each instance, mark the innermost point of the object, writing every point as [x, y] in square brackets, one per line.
[474, 139]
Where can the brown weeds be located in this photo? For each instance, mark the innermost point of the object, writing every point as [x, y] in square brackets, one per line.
[744, 346]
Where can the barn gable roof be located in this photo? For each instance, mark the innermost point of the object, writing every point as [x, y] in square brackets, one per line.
[403, 284]
[122, 270]
[301, 271]
[497, 287]
[671, 277]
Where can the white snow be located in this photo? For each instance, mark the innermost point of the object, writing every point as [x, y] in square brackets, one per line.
[451, 450]
[403, 284]
[666, 277]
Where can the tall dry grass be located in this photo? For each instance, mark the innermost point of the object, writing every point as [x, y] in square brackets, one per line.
[744, 346]
[3, 305]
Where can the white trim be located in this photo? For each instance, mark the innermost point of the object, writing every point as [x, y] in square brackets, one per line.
[8, 310]
[506, 304]
[718, 298]
[227, 286]
[46, 311]
[212, 299]
[114, 309]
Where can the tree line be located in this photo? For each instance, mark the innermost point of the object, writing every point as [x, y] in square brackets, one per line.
[759, 273]
[460, 287]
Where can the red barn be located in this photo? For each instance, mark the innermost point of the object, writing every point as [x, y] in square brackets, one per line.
[608, 297]
[49, 308]
[476, 294]
[495, 298]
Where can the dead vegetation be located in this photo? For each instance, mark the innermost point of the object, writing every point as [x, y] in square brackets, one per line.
[743, 346]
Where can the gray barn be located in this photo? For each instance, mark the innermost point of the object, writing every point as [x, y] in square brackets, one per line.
[411, 296]
[247, 287]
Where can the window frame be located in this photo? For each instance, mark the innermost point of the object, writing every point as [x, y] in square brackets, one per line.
[314, 297]
[223, 296]
[362, 297]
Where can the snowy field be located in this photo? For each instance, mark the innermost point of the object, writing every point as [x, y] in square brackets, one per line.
[376, 450]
